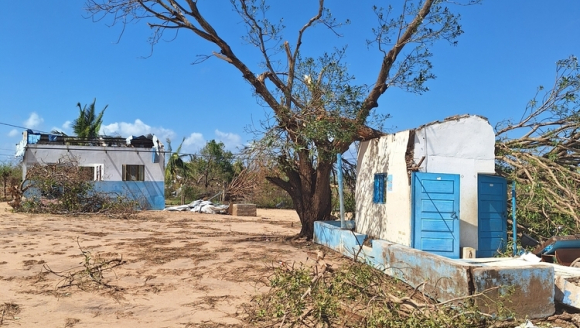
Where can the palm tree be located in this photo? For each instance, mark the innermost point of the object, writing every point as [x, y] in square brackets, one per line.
[175, 164]
[88, 124]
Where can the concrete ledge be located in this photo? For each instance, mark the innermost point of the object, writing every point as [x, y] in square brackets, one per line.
[243, 209]
[446, 279]
[528, 289]
[346, 242]
[567, 292]
[567, 289]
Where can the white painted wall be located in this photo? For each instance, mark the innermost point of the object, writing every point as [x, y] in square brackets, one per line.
[389, 221]
[112, 159]
[462, 145]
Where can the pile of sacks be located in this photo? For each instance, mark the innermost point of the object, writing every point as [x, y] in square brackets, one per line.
[200, 206]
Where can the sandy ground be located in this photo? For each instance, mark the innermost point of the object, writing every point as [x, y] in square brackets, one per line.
[180, 269]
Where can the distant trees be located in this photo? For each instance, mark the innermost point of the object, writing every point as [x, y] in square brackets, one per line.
[204, 174]
[10, 175]
[5, 171]
[88, 124]
[214, 166]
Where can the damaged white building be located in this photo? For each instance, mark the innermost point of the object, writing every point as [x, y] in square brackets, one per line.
[434, 188]
[133, 167]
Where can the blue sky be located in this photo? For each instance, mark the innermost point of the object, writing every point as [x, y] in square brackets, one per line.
[52, 57]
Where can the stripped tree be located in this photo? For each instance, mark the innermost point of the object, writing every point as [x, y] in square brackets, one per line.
[317, 110]
[541, 152]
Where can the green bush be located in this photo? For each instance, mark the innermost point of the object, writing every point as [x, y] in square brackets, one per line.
[68, 188]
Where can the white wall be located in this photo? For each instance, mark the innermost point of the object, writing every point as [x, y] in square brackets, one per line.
[462, 145]
[465, 146]
[112, 159]
[389, 221]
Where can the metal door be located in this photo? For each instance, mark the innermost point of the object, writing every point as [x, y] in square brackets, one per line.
[492, 210]
[435, 205]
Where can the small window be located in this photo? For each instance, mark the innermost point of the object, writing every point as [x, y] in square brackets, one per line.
[87, 173]
[92, 172]
[379, 188]
[133, 172]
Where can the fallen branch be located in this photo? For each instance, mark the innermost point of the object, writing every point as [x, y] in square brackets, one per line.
[355, 294]
[544, 159]
[93, 270]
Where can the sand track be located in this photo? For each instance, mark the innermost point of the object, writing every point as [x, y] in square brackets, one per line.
[180, 269]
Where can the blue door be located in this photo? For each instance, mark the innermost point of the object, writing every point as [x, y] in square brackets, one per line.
[436, 213]
[492, 211]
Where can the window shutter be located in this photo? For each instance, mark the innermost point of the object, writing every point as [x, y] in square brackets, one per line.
[376, 189]
[124, 177]
[379, 189]
[382, 189]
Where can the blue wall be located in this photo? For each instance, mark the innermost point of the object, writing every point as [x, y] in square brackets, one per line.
[149, 194]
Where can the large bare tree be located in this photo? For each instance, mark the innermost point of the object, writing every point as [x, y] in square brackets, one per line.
[317, 111]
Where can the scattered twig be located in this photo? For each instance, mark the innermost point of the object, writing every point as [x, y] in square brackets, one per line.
[8, 309]
[93, 270]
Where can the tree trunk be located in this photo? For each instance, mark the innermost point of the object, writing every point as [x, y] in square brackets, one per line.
[309, 189]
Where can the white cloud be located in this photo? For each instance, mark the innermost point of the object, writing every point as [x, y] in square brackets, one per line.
[64, 128]
[13, 133]
[191, 144]
[33, 121]
[232, 141]
[136, 128]
[66, 125]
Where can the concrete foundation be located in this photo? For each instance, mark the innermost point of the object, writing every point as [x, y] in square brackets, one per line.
[442, 278]
[567, 286]
[525, 288]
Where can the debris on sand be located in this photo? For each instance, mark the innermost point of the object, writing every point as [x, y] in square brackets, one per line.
[200, 206]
